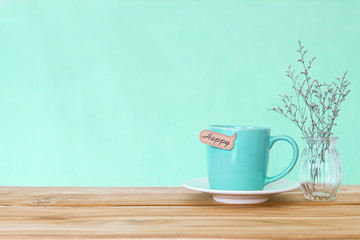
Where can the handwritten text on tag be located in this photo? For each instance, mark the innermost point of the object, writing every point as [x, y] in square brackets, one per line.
[217, 140]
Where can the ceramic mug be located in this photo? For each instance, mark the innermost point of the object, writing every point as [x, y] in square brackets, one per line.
[244, 167]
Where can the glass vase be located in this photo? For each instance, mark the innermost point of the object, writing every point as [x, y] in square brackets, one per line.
[320, 169]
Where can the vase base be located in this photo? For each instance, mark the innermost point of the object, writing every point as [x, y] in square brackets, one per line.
[319, 192]
[320, 196]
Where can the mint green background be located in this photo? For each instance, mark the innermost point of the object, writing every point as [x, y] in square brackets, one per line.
[115, 93]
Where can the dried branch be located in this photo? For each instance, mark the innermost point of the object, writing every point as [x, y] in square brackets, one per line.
[314, 101]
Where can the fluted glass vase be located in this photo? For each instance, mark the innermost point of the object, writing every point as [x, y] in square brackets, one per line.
[320, 169]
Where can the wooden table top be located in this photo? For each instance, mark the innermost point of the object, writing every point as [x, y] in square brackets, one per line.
[170, 212]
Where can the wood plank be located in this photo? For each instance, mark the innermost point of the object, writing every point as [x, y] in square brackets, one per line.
[181, 212]
[155, 196]
[189, 228]
[289, 222]
[345, 189]
[170, 212]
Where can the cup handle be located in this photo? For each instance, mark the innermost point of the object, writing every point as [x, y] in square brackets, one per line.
[293, 161]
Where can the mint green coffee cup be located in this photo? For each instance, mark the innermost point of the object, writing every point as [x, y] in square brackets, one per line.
[244, 167]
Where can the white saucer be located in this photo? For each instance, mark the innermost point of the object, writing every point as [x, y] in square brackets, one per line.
[242, 197]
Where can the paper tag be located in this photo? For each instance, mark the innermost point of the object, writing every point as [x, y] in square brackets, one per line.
[217, 140]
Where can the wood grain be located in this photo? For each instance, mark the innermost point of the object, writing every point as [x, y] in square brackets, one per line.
[134, 196]
[111, 213]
